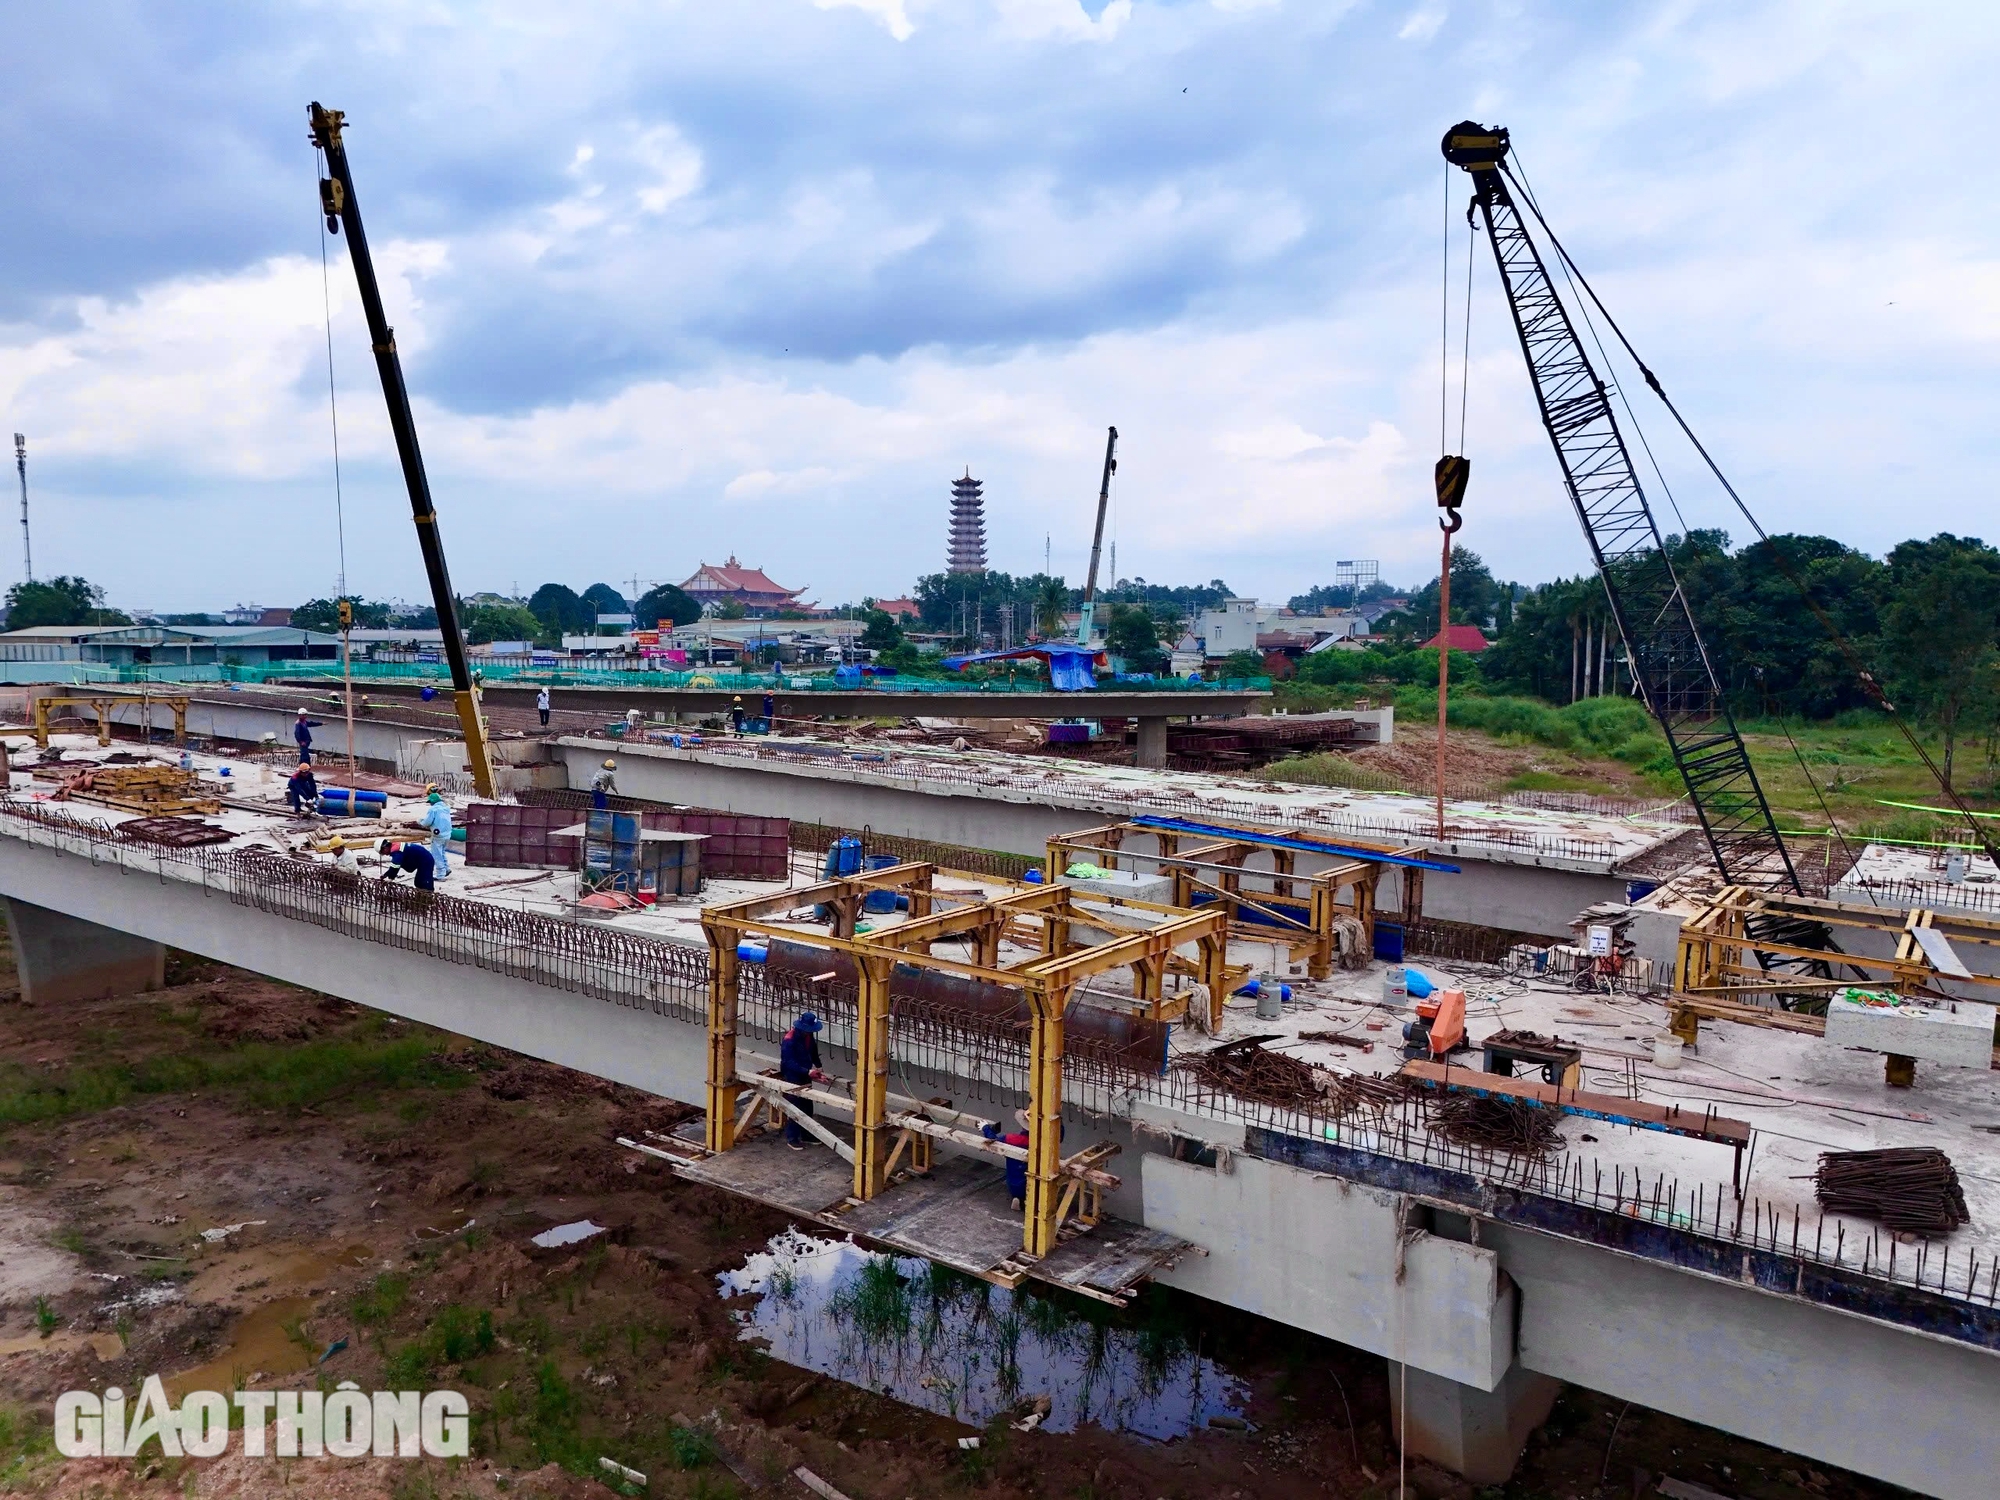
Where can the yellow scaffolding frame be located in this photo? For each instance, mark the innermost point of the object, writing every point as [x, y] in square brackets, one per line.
[102, 705]
[1716, 968]
[1216, 868]
[1059, 1189]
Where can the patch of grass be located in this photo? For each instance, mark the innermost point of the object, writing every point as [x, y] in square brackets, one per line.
[454, 1336]
[550, 1424]
[877, 1301]
[691, 1447]
[71, 1238]
[25, 1440]
[381, 1299]
[47, 1320]
[263, 1075]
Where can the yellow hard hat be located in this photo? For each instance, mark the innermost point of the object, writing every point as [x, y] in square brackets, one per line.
[611, 765]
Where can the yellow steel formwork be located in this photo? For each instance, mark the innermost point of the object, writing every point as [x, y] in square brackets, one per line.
[1059, 1189]
[1215, 869]
[1716, 969]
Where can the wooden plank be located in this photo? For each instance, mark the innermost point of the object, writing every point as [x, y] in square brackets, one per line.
[808, 1183]
[1613, 1108]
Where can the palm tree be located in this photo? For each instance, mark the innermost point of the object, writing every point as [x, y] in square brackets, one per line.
[1051, 605]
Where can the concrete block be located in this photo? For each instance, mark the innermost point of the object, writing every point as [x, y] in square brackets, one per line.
[62, 958]
[1479, 1434]
[1322, 1254]
[1126, 885]
[1957, 1032]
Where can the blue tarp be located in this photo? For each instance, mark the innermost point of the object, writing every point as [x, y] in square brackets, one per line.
[1072, 669]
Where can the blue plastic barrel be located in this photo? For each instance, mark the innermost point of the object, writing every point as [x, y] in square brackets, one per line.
[881, 901]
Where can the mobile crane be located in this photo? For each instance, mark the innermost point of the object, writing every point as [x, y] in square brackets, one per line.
[337, 201]
[1669, 662]
[1671, 667]
[1088, 622]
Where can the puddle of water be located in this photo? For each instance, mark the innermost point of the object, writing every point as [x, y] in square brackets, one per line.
[952, 1344]
[103, 1345]
[257, 1342]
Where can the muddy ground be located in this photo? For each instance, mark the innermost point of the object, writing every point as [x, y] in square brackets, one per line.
[387, 1179]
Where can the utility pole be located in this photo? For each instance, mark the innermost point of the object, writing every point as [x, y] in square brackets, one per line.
[21, 465]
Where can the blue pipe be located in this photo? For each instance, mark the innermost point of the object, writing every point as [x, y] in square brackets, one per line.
[1281, 841]
[752, 953]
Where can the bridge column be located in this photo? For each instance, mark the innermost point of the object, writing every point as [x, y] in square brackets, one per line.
[1153, 742]
[62, 958]
[1479, 1434]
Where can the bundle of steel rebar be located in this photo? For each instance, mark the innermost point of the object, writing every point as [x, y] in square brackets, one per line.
[1511, 1125]
[1904, 1187]
[1245, 1069]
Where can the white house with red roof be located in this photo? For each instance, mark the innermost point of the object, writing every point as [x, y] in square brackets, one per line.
[717, 584]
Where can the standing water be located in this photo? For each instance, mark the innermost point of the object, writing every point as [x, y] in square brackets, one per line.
[953, 1344]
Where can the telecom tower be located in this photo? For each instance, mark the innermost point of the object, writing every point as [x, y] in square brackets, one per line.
[21, 467]
[967, 550]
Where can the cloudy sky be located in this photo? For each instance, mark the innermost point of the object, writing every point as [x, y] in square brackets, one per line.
[674, 279]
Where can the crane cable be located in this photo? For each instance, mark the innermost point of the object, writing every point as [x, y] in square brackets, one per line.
[1778, 555]
[332, 403]
[339, 509]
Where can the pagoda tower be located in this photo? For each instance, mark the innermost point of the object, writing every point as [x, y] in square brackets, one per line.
[967, 550]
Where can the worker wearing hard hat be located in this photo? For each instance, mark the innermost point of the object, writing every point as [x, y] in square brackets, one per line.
[603, 784]
[302, 733]
[736, 714]
[437, 818]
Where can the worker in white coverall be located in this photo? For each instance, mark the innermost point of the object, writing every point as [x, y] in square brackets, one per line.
[437, 818]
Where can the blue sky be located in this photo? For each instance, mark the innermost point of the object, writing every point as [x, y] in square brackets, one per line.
[677, 279]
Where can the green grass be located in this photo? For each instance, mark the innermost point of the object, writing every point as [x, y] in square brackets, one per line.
[1858, 759]
[261, 1074]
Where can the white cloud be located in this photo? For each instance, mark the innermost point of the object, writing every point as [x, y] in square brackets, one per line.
[1422, 23]
[891, 13]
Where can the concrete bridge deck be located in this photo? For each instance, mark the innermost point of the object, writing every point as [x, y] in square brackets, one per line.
[1486, 1278]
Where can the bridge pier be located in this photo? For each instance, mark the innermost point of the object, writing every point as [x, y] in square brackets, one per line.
[62, 958]
[1152, 741]
[1474, 1433]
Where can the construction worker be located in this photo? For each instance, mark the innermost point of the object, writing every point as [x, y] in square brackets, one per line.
[603, 784]
[1017, 1170]
[542, 704]
[736, 714]
[437, 818]
[302, 733]
[302, 791]
[412, 857]
[798, 1062]
[770, 713]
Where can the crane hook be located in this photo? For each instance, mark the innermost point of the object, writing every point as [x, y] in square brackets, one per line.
[1451, 475]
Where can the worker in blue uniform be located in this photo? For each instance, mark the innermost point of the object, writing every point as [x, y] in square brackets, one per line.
[798, 1062]
[437, 818]
[412, 857]
[1017, 1170]
[302, 791]
[302, 734]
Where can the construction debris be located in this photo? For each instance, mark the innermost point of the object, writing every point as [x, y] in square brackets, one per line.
[1244, 1068]
[143, 789]
[178, 833]
[1510, 1125]
[1905, 1187]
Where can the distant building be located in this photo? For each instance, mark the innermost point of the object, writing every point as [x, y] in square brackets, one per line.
[966, 552]
[899, 609]
[1467, 638]
[165, 645]
[1230, 629]
[714, 585]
